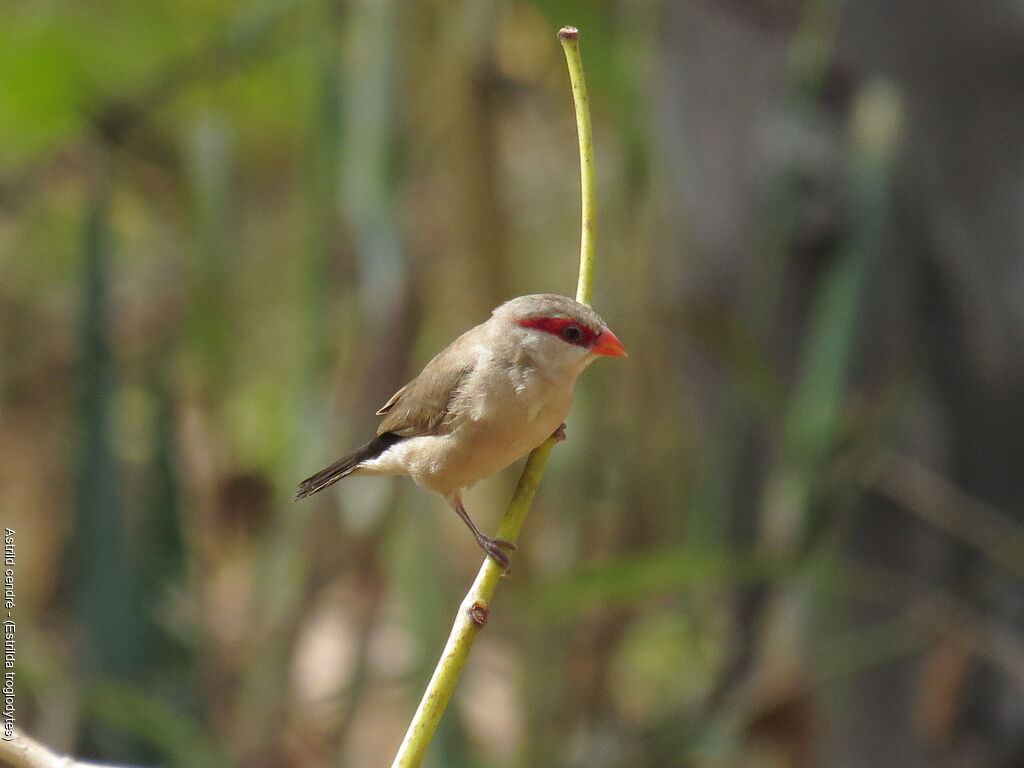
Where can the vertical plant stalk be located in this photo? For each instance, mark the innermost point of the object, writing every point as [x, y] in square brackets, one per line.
[475, 607]
[570, 39]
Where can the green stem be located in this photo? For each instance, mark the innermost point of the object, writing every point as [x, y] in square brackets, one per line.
[475, 607]
[570, 39]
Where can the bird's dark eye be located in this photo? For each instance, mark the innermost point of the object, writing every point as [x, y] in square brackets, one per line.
[572, 333]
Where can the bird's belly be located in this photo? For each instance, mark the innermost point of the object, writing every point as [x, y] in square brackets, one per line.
[493, 439]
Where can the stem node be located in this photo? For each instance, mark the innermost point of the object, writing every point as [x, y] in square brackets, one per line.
[478, 614]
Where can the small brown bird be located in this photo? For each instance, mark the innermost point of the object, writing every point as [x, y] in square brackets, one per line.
[487, 399]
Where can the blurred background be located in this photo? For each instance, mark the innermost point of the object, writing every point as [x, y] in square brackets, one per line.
[788, 531]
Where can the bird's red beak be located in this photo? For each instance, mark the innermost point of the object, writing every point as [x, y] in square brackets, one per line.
[607, 343]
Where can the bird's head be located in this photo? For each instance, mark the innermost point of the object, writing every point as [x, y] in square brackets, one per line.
[561, 327]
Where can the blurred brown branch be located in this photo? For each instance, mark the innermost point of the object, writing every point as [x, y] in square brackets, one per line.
[934, 499]
[23, 752]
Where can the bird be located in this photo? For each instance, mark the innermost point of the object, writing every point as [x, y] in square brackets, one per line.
[486, 400]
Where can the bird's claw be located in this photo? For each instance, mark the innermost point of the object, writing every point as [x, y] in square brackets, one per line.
[559, 434]
[495, 548]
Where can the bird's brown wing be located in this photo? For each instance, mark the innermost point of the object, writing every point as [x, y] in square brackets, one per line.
[423, 405]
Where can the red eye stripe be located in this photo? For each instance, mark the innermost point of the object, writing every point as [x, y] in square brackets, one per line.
[556, 327]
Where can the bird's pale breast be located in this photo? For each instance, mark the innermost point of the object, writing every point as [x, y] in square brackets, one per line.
[517, 413]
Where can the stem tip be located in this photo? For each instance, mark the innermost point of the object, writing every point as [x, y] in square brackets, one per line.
[568, 33]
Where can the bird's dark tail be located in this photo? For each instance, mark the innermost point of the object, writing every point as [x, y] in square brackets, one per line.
[346, 465]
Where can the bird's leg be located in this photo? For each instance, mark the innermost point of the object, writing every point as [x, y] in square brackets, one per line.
[559, 434]
[493, 547]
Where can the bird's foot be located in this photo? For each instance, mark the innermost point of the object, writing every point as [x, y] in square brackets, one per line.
[495, 548]
[559, 434]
